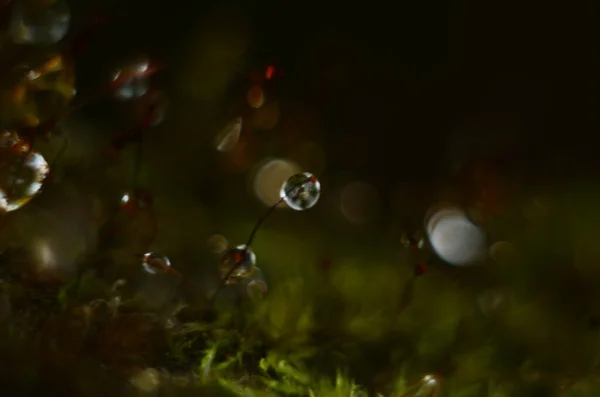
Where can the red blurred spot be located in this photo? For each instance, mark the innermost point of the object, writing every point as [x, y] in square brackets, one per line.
[270, 72]
[149, 117]
[420, 269]
[20, 147]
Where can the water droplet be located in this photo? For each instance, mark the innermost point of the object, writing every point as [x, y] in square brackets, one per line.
[38, 22]
[237, 263]
[21, 173]
[131, 81]
[154, 263]
[301, 191]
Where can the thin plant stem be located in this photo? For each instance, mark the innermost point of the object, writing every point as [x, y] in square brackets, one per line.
[253, 234]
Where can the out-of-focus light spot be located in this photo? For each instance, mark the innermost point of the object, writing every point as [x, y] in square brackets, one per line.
[491, 301]
[454, 238]
[255, 96]
[359, 202]
[3, 202]
[270, 72]
[267, 116]
[229, 136]
[270, 177]
[39, 23]
[217, 244]
[147, 380]
[429, 380]
[45, 255]
[125, 198]
[256, 289]
[503, 252]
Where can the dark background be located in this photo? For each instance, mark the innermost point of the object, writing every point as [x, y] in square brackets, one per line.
[411, 97]
[396, 85]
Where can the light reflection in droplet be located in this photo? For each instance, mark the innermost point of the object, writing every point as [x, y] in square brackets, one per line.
[454, 238]
[131, 81]
[3, 202]
[270, 177]
[359, 202]
[301, 191]
[228, 137]
[154, 263]
[21, 173]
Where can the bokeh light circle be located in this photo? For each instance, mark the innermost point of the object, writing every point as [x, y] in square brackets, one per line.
[454, 238]
[229, 136]
[256, 97]
[217, 244]
[269, 178]
[359, 202]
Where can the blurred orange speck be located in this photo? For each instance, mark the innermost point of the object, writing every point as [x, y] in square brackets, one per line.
[268, 116]
[21, 147]
[256, 97]
[19, 92]
[270, 72]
